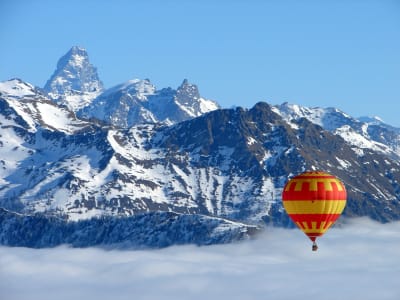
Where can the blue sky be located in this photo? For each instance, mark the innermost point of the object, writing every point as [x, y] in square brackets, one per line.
[337, 53]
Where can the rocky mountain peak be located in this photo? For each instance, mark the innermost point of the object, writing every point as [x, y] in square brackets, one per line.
[190, 102]
[75, 81]
[76, 50]
[187, 92]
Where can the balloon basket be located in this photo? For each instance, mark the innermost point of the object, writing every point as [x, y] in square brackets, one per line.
[314, 247]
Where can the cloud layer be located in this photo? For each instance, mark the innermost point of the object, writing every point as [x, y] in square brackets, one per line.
[361, 260]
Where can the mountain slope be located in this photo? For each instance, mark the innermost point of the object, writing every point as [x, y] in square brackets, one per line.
[227, 163]
[151, 230]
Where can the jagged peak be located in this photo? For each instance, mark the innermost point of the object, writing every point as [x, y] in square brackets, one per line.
[185, 82]
[76, 57]
[74, 74]
[78, 50]
[187, 89]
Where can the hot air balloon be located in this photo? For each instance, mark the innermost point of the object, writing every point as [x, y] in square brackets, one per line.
[314, 201]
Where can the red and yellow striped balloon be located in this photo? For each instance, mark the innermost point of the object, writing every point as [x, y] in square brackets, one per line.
[314, 201]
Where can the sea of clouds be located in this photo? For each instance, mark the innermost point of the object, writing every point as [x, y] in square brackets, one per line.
[359, 260]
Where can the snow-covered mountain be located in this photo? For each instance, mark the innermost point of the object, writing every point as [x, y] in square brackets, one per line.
[362, 133]
[191, 104]
[76, 85]
[75, 82]
[17, 89]
[122, 105]
[138, 101]
[28, 107]
[171, 167]
[228, 163]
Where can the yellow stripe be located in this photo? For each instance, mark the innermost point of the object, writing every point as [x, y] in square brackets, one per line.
[299, 225]
[314, 184]
[320, 229]
[288, 185]
[314, 207]
[315, 228]
[323, 224]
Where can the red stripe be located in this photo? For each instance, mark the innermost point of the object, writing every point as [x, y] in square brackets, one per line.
[314, 218]
[314, 195]
[313, 237]
[316, 234]
[320, 193]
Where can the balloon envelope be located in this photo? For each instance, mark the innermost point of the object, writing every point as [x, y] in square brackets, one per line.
[314, 201]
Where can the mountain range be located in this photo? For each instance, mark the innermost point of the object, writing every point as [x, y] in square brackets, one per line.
[79, 162]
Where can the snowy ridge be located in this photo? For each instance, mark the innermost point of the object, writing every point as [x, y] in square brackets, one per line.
[362, 133]
[361, 141]
[36, 110]
[122, 105]
[16, 88]
[293, 112]
[138, 101]
[140, 88]
[207, 106]
[371, 120]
